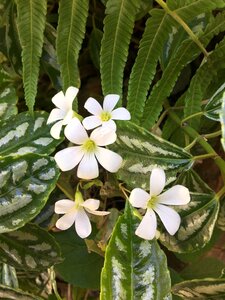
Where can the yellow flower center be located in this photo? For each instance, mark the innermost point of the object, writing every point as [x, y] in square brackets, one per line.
[152, 202]
[105, 116]
[89, 146]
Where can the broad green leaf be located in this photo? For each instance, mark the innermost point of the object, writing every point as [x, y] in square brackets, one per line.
[198, 219]
[31, 24]
[95, 46]
[29, 248]
[205, 289]
[142, 151]
[8, 293]
[8, 275]
[79, 267]
[70, 33]
[23, 134]
[25, 184]
[157, 29]
[134, 268]
[118, 27]
[213, 107]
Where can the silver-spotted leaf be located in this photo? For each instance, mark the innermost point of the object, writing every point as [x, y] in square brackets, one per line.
[29, 248]
[213, 107]
[8, 293]
[204, 289]
[134, 268]
[198, 220]
[8, 100]
[221, 217]
[8, 275]
[222, 122]
[25, 184]
[23, 134]
[142, 151]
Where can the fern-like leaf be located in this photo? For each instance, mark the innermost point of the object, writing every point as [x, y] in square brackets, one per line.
[118, 27]
[70, 33]
[186, 53]
[31, 24]
[156, 32]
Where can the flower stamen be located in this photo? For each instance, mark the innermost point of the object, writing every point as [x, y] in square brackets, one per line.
[105, 116]
[89, 146]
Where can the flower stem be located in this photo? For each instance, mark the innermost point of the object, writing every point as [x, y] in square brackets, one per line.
[200, 113]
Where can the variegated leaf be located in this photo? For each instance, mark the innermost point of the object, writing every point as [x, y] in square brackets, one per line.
[8, 275]
[213, 107]
[25, 184]
[8, 293]
[8, 100]
[221, 218]
[134, 268]
[26, 134]
[194, 183]
[204, 289]
[142, 151]
[222, 122]
[29, 248]
[198, 219]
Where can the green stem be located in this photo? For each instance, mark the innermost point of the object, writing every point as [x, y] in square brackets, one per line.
[220, 193]
[71, 197]
[200, 139]
[175, 16]
[212, 135]
[200, 113]
[204, 156]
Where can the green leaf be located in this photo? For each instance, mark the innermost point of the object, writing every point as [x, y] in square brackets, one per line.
[222, 122]
[95, 46]
[70, 33]
[157, 29]
[221, 218]
[8, 275]
[23, 134]
[205, 289]
[134, 268]
[8, 293]
[198, 219]
[142, 151]
[79, 267]
[29, 248]
[213, 107]
[31, 24]
[25, 184]
[118, 26]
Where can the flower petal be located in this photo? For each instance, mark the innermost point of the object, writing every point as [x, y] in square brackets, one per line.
[91, 122]
[148, 225]
[157, 181]
[75, 132]
[91, 204]
[56, 129]
[68, 117]
[109, 124]
[93, 106]
[177, 195]
[110, 160]
[70, 95]
[66, 221]
[98, 213]
[82, 224]
[103, 136]
[169, 217]
[62, 206]
[56, 114]
[59, 101]
[110, 102]
[120, 113]
[139, 198]
[68, 158]
[88, 167]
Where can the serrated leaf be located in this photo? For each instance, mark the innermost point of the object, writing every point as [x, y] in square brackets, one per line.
[70, 33]
[134, 268]
[31, 24]
[23, 134]
[25, 184]
[142, 151]
[118, 26]
[205, 289]
[8, 293]
[213, 107]
[8, 275]
[29, 248]
[198, 219]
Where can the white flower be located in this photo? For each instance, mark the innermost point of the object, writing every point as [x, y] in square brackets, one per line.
[153, 202]
[89, 151]
[63, 112]
[104, 116]
[75, 212]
